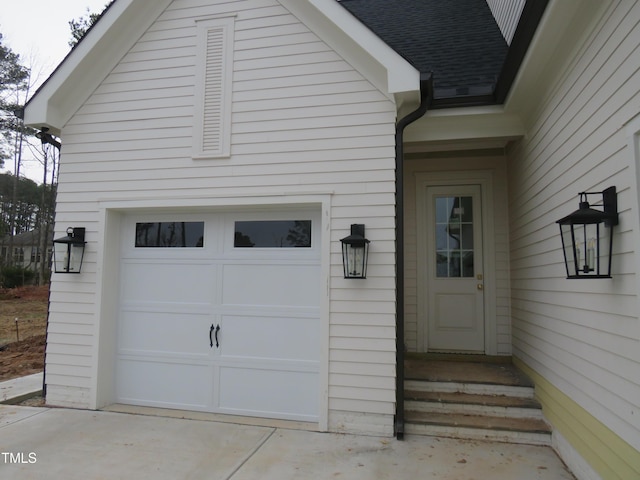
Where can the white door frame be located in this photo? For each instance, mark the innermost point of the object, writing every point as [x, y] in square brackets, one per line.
[111, 216]
[484, 178]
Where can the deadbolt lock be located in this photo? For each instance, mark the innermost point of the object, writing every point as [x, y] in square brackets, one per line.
[479, 276]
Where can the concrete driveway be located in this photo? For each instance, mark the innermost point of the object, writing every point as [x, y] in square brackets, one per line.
[56, 443]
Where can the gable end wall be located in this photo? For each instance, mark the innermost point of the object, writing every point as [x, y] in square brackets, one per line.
[303, 122]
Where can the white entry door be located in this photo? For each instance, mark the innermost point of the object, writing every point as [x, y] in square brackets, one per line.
[219, 312]
[455, 287]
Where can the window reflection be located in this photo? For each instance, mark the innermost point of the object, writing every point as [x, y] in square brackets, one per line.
[273, 234]
[454, 236]
[169, 234]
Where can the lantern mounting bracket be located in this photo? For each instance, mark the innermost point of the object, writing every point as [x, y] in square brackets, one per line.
[609, 204]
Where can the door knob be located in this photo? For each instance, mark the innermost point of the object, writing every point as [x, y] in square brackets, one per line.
[480, 286]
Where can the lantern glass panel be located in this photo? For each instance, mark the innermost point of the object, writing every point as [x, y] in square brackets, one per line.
[61, 253]
[75, 259]
[355, 260]
[587, 250]
[68, 257]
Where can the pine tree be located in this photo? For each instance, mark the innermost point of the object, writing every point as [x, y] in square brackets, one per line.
[13, 81]
[81, 25]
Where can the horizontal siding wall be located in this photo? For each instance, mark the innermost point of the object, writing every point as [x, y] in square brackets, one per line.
[581, 336]
[303, 121]
[507, 14]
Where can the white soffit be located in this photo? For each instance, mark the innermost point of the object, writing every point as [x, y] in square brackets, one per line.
[469, 123]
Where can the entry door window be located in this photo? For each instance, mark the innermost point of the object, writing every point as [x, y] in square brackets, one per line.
[454, 236]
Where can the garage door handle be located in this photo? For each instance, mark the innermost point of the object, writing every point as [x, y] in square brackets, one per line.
[213, 330]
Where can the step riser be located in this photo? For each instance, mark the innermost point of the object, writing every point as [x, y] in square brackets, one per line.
[466, 409]
[474, 401]
[479, 434]
[470, 388]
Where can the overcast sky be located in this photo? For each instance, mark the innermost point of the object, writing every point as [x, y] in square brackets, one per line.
[38, 30]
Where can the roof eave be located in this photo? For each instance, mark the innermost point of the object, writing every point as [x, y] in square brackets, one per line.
[365, 51]
[90, 62]
[125, 21]
[562, 27]
[459, 122]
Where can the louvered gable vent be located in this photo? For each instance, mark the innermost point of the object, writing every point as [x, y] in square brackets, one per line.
[212, 121]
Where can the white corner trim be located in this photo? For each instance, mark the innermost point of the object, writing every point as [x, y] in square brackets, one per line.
[632, 127]
[578, 466]
[632, 134]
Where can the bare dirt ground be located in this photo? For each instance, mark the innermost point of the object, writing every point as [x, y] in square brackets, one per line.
[22, 348]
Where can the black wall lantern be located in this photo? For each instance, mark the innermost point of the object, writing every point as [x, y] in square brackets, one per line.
[587, 236]
[68, 251]
[355, 252]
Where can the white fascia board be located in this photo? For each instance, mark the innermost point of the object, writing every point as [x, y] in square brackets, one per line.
[90, 62]
[562, 27]
[363, 49]
[470, 124]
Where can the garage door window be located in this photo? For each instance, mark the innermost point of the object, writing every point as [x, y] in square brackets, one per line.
[169, 234]
[273, 234]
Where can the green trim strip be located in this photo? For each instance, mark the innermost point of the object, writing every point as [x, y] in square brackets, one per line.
[608, 454]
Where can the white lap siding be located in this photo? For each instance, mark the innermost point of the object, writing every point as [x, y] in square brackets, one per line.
[582, 336]
[303, 122]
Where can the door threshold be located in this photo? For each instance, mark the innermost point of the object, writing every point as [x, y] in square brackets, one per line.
[459, 357]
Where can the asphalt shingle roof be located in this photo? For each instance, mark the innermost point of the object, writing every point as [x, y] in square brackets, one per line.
[457, 40]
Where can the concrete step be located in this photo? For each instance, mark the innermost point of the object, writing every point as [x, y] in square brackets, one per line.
[478, 427]
[472, 404]
[470, 388]
[472, 400]
[465, 372]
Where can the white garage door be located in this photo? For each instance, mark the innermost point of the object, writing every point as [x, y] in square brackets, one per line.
[220, 313]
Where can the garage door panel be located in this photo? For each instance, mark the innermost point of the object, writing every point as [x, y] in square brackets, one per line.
[167, 282]
[269, 393]
[265, 301]
[270, 337]
[291, 285]
[165, 384]
[170, 333]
